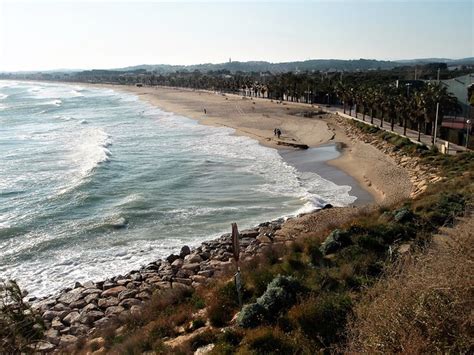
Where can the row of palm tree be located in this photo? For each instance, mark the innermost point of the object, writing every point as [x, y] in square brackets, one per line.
[397, 105]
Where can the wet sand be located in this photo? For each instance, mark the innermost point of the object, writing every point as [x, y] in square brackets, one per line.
[315, 160]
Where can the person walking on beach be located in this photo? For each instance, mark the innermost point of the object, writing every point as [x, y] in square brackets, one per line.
[278, 133]
[205, 111]
[274, 131]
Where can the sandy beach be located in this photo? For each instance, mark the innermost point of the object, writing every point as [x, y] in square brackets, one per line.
[374, 171]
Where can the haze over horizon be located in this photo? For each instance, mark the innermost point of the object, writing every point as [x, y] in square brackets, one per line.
[45, 35]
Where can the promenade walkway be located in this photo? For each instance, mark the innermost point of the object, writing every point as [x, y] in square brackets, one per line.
[411, 134]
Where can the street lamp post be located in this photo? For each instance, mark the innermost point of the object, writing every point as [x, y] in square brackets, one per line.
[436, 124]
[468, 122]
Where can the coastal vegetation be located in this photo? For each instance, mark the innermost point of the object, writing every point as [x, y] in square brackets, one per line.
[392, 279]
[335, 291]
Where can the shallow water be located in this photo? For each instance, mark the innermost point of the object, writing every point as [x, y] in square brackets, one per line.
[95, 183]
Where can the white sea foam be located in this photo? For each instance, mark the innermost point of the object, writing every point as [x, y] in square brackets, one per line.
[144, 205]
[3, 96]
[93, 149]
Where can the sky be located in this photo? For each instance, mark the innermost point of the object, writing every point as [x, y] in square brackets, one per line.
[45, 35]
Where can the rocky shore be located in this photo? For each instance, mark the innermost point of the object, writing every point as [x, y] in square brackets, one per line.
[77, 312]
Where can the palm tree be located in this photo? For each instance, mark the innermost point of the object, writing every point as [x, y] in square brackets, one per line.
[418, 110]
[438, 96]
[342, 93]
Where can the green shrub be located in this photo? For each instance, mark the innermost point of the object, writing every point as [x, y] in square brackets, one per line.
[252, 315]
[269, 341]
[223, 304]
[281, 294]
[336, 240]
[322, 318]
[20, 326]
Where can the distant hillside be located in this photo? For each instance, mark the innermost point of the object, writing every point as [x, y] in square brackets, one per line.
[450, 62]
[262, 66]
[307, 65]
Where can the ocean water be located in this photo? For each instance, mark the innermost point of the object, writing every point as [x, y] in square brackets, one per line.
[95, 183]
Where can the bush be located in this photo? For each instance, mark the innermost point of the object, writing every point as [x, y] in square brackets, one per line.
[322, 318]
[20, 326]
[223, 304]
[269, 341]
[252, 315]
[336, 240]
[281, 294]
[422, 305]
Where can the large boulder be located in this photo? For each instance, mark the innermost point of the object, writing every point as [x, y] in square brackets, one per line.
[185, 250]
[71, 318]
[71, 296]
[113, 292]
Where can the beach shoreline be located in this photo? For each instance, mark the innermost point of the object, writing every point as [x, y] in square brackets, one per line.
[79, 310]
[257, 117]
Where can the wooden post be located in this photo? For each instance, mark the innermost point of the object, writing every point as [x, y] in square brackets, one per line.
[236, 250]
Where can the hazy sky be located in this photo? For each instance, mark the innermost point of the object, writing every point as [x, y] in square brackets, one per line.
[107, 34]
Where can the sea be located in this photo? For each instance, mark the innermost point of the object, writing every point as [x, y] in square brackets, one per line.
[95, 183]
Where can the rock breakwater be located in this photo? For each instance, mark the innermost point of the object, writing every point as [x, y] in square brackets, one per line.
[76, 312]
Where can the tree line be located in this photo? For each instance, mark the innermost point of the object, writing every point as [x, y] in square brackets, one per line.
[390, 95]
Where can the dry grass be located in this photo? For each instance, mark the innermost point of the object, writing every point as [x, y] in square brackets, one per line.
[424, 305]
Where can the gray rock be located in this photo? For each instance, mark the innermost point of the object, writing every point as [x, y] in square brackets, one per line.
[191, 266]
[57, 324]
[114, 291]
[129, 302]
[50, 315]
[44, 347]
[192, 258]
[71, 318]
[108, 284]
[71, 296]
[52, 336]
[78, 329]
[59, 307]
[177, 263]
[90, 317]
[108, 302]
[185, 250]
[123, 282]
[249, 233]
[172, 258]
[90, 291]
[89, 284]
[90, 307]
[126, 294]
[44, 305]
[114, 310]
[144, 295]
[92, 297]
[66, 330]
[78, 304]
[264, 239]
[101, 322]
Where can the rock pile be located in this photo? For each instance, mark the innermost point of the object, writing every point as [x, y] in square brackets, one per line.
[78, 311]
